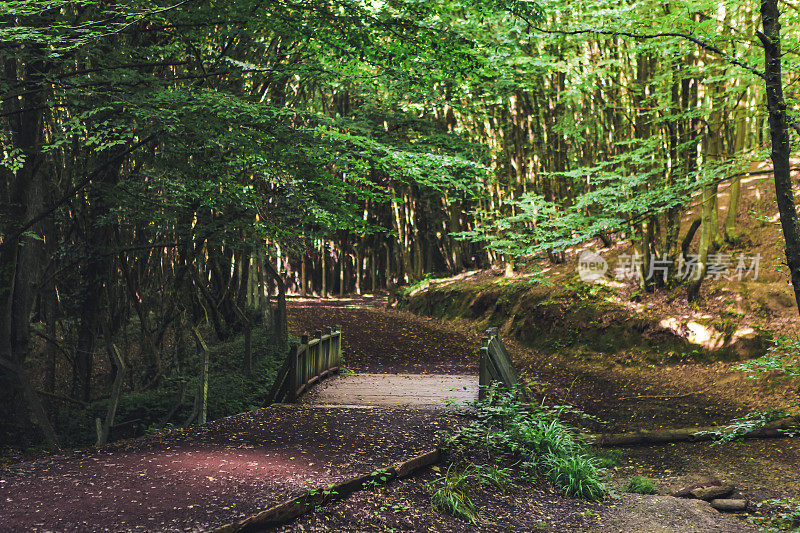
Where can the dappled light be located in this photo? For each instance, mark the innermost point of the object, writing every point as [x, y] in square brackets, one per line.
[404, 265]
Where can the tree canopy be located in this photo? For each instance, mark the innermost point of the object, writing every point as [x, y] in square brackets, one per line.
[172, 163]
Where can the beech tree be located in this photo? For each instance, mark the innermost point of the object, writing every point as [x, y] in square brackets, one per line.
[168, 166]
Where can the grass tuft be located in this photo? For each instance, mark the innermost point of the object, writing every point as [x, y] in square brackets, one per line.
[531, 438]
[641, 485]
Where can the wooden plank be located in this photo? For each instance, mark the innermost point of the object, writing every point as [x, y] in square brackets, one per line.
[278, 385]
[395, 390]
[408, 467]
[502, 362]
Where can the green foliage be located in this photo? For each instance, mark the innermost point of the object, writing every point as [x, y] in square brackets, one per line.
[577, 475]
[779, 366]
[534, 438]
[781, 515]
[741, 426]
[641, 485]
[406, 290]
[450, 493]
[378, 477]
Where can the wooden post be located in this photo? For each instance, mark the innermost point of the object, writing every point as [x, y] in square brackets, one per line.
[328, 348]
[204, 384]
[294, 376]
[301, 365]
[338, 361]
[314, 364]
[104, 429]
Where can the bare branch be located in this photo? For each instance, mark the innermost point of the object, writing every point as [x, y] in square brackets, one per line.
[706, 46]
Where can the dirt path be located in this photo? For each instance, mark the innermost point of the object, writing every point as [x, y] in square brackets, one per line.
[210, 475]
[223, 471]
[228, 469]
[377, 340]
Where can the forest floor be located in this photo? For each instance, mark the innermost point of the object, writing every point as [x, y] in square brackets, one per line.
[625, 398]
[197, 479]
[210, 475]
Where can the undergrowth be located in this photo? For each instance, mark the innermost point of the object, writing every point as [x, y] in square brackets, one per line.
[514, 441]
[230, 391]
[641, 485]
[784, 516]
[780, 365]
[451, 492]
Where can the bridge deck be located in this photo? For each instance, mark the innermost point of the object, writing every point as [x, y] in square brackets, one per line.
[394, 390]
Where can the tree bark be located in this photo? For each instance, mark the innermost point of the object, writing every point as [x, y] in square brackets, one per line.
[779, 133]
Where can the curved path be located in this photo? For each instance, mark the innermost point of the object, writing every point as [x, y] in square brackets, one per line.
[392, 359]
[223, 471]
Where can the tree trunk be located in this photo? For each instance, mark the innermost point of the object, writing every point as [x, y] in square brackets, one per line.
[280, 326]
[779, 133]
[324, 254]
[303, 276]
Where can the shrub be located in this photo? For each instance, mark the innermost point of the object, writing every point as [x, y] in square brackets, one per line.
[231, 391]
[781, 515]
[641, 485]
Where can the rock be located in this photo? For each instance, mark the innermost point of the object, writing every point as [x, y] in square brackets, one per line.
[665, 514]
[711, 493]
[686, 492]
[733, 506]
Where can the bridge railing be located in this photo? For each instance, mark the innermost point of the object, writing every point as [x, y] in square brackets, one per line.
[495, 368]
[313, 359]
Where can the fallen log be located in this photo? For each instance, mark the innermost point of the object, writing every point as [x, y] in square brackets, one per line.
[299, 505]
[660, 436]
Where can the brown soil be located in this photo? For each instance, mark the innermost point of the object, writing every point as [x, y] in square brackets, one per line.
[405, 505]
[230, 468]
[626, 398]
[377, 341]
[761, 469]
[210, 475]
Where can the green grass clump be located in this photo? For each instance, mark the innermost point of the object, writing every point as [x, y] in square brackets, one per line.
[577, 475]
[607, 458]
[451, 492]
[510, 431]
[641, 485]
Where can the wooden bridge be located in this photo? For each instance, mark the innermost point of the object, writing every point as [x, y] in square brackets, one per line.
[319, 357]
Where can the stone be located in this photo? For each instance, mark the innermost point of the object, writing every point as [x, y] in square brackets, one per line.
[729, 505]
[686, 492]
[711, 493]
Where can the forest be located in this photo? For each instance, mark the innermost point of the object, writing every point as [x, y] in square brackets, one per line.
[175, 171]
